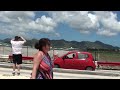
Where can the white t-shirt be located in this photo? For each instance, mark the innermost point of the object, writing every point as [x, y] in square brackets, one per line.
[17, 46]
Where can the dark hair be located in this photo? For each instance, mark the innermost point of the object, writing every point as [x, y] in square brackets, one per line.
[17, 38]
[42, 42]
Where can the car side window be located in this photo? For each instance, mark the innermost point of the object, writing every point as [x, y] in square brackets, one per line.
[82, 56]
[70, 56]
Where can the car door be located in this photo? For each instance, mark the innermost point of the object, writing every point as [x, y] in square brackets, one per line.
[69, 61]
[81, 61]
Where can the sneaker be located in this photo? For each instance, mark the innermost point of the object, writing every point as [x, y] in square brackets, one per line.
[13, 73]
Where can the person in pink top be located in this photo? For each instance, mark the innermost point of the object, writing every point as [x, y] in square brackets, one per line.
[42, 66]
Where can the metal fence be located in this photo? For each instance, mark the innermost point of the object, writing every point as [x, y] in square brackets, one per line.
[99, 55]
[106, 55]
[5, 50]
[28, 51]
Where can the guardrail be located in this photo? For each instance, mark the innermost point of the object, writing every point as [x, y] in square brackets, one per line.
[108, 63]
[23, 58]
[98, 63]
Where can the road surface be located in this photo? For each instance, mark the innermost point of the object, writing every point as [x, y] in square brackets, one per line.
[5, 73]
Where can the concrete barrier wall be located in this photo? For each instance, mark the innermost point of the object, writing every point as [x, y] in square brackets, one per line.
[4, 57]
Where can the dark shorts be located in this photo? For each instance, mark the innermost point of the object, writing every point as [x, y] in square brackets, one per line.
[17, 59]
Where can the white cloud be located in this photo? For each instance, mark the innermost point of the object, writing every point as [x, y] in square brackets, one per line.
[108, 20]
[79, 20]
[22, 22]
[43, 24]
[84, 32]
[86, 22]
[12, 16]
[106, 33]
[110, 26]
[57, 34]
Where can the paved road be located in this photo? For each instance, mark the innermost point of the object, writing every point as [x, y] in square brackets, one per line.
[5, 73]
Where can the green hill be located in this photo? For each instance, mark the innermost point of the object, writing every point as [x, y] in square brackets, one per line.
[68, 44]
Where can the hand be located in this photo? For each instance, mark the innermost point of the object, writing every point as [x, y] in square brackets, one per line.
[31, 76]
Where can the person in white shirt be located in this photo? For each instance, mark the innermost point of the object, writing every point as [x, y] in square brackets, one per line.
[17, 44]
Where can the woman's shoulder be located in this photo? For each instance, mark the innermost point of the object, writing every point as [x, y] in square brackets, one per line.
[39, 53]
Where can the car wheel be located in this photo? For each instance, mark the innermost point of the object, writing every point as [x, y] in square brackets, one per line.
[89, 68]
[56, 66]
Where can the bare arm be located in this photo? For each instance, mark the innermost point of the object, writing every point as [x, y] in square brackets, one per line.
[23, 39]
[36, 63]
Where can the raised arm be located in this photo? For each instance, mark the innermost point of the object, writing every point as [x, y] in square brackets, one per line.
[23, 39]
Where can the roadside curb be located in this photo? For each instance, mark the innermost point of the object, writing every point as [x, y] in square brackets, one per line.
[85, 72]
[69, 71]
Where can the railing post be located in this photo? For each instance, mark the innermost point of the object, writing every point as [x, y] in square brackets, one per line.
[27, 51]
[3, 49]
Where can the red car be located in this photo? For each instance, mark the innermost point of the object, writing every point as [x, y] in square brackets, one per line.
[75, 60]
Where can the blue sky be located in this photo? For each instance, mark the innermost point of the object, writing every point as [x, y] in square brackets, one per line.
[58, 25]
